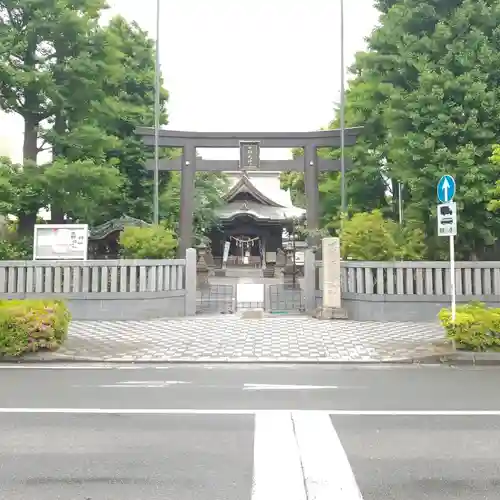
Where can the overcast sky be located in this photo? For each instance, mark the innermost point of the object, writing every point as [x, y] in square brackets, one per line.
[246, 65]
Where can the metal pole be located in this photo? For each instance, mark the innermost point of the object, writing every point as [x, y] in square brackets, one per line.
[294, 254]
[156, 196]
[342, 113]
[452, 279]
[400, 203]
[452, 287]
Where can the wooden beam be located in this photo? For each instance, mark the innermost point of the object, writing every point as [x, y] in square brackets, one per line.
[295, 165]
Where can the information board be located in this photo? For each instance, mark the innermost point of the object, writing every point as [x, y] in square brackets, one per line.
[60, 242]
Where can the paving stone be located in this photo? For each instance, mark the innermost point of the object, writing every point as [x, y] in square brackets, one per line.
[233, 339]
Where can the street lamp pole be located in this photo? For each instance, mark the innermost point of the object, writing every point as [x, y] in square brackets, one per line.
[156, 196]
[342, 115]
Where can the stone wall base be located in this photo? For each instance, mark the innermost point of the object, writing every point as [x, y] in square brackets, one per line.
[252, 314]
[330, 313]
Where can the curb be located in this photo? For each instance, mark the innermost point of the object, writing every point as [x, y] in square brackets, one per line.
[471, 359]
[450, 359]
[211, 361]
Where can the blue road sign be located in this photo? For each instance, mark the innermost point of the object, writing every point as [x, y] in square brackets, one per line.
[446, 189]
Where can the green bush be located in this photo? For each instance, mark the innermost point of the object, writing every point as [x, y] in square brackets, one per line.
[369, 236]
[31, 325]
[155, 242]
[16, 249]
[476, 327]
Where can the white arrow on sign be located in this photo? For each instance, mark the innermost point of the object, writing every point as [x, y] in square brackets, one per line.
[446, 186]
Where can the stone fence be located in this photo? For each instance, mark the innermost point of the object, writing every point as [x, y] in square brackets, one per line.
[107, 289]
[147, 289]
[409, 291]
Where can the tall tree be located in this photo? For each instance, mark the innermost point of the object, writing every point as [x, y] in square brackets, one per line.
[39, 45]
[102, 127]
[435, 65]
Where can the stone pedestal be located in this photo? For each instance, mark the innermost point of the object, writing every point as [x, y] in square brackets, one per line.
[288, 274]
[269, 271]
[202, 271]
[209, 261]
[332, 293]
[330, 313]
[252, 314]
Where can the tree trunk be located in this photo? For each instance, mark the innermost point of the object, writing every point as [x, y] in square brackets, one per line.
[27, 221]
[30, 144]
[56, 211]
[26, 224]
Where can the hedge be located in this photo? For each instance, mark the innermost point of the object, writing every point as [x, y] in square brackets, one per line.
[476, 327]
[31, 325]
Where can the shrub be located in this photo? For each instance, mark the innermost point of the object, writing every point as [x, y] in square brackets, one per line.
[16, 249]
[155, 242]
[369, 236]
[476, 327]
[31, 325]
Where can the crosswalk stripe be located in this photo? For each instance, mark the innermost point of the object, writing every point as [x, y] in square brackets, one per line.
[298, 456]
[277, 467]
[327, 472]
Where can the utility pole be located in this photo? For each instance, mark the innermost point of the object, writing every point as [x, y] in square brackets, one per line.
[156, 195]
[342, 116]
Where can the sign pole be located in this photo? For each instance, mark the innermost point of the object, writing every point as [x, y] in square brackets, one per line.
[452, 279]
[447, 226]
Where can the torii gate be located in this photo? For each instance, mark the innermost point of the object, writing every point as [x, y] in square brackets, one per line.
[249, 144]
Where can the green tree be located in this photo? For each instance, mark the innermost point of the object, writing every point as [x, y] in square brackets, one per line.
[208, 195]
[369, 236]
[366, 184]
[494, 203]
[23, 188]
[84, 191]
[82, 90]
[435, 65]
[82, 188]
[123, 100]
[294, 182]
[39, 48]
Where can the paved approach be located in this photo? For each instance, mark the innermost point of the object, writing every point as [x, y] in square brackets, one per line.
[244, 432]
[230, 338]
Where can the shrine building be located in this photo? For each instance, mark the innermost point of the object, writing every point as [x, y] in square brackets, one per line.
[255, 219]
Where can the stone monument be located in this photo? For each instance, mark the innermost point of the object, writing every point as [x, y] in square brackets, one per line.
[332, 292]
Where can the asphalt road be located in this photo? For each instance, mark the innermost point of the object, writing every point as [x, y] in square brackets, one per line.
[84, 432]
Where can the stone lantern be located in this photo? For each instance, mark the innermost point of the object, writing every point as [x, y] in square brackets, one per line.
[202, 269]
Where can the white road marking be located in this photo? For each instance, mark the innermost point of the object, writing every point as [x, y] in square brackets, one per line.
[57, 367]
[141, 384]
[278, 387]
[195, 411]
[170, 382]
[327, 473]
[277, 469]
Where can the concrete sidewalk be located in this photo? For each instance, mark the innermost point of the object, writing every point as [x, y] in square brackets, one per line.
[286, 339]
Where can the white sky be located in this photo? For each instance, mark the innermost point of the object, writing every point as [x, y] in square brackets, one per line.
[246, 65]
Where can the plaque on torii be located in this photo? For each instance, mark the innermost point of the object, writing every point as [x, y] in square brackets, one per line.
[249, 155]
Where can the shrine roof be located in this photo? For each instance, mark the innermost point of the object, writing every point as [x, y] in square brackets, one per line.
[268, 201]
[245, 185]
[259, 211]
